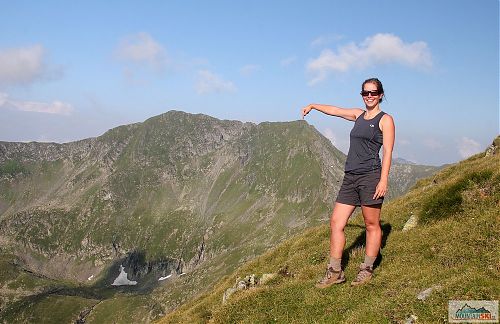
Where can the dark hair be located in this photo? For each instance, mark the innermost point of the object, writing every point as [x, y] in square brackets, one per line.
[377, 82]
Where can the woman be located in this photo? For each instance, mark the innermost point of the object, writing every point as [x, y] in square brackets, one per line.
[365, 179]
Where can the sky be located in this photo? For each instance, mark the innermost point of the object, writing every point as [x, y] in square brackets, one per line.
[74, 69]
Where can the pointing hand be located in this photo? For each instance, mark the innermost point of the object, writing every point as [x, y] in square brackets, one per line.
[306, 110]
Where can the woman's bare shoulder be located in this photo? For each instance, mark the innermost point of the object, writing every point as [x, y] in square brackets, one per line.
[355, 112]
[386, 121]
[386, 118]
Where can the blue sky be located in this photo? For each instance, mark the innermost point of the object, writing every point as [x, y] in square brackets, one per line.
[72, 70]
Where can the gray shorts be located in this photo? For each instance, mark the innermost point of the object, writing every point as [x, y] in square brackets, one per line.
[358, 189]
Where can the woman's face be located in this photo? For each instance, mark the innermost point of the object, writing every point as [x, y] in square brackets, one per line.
[369, 97]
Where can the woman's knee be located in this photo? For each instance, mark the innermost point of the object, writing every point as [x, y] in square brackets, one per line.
[373, 227]
[372, 218]
[340, 216]
[337, 224]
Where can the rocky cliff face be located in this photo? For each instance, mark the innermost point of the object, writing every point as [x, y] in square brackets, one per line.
[190, 189]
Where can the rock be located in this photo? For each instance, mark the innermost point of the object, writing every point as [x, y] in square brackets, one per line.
[493, 148]
[252, 280]
[285, 272]
[427, 292]
[410, 223]
[241, 285]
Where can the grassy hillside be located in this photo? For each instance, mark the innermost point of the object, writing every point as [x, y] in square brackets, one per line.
[454, 249]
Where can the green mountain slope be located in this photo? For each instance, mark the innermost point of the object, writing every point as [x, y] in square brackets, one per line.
[184, 195]
[451, 254]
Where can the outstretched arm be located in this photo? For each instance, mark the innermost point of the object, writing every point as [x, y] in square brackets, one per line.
[388, 135]
[347, 113]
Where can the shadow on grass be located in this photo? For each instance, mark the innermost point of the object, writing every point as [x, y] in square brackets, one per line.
[360, 242]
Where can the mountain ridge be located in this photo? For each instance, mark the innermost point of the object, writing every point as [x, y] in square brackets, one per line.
[173, 194]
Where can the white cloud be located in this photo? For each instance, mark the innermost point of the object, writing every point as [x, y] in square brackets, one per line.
[325, 40]
[468, 147]
[249, 69]
[209, 82]
[374, 50]
[20, 66]
[330, 135]
[288, 61]
[141, 48]
[433, 143]
[3, 98]
[56, 107]
[340, 143]
[403, 142]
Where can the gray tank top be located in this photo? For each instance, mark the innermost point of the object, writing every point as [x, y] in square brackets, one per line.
[365, 143]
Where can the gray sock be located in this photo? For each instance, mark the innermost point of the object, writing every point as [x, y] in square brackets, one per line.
[335, 264]
[369, 260]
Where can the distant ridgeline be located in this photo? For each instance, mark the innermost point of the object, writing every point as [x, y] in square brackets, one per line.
[185, 198]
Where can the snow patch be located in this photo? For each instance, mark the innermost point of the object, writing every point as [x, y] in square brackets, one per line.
[122, 279]
[163, 278]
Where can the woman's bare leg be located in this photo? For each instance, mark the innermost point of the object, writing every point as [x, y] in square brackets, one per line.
[340, 216]
[371, 215]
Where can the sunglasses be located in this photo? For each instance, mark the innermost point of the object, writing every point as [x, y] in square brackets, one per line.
[370, 93]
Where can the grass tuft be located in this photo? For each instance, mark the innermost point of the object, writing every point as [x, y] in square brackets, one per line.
[447, 201]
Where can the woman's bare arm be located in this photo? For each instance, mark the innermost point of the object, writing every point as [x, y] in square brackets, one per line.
[388, 136]
[347, 113]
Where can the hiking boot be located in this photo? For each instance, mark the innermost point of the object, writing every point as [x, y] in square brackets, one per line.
[331, 277]
[364, 275]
